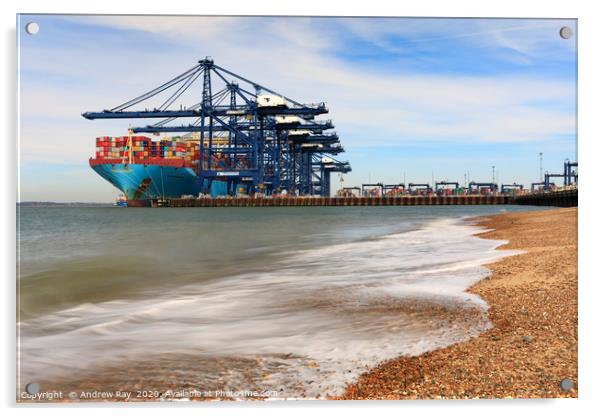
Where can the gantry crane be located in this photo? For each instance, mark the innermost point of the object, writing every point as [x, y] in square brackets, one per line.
[569, 177]
[570, 173]
[351, 191]
[513, 187]
[394, 189]
[419, 187]
[477, 186]
[440, 186]
[267, 141]
[372, 189]
[537, 184]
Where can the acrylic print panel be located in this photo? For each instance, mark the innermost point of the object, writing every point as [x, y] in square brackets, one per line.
[191, 225]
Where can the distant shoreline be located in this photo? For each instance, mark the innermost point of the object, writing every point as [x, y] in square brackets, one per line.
[62, 204]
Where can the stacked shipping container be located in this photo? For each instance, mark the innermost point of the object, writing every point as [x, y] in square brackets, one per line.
[117, 147]
[110, 147]
[144, 149]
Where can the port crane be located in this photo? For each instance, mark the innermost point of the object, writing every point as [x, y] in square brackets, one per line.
[272, 142]
[351, 191]
[477, 186]
[439, 186]
[394, 189]
[413, 187]
[372, 187]
[508, 188]
[537, 184]
[547, 183]
[570, 175]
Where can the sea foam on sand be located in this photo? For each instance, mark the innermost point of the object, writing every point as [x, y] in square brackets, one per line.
[304, 328]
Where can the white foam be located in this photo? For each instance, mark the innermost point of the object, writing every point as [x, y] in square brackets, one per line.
[334, 306]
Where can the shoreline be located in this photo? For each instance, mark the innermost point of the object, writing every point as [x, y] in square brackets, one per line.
[512, 359]
[532, 345]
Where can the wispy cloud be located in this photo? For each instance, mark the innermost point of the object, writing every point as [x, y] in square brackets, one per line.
[528, 37]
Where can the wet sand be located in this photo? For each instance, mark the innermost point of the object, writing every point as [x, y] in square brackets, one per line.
[532, 346]
[196, 377]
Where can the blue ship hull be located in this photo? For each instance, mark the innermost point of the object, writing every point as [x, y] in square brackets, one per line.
[139, 181]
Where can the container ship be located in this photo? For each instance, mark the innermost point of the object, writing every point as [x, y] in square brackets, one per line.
[143, 169]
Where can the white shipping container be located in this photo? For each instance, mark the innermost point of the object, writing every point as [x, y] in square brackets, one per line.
[288, 119]
[269, 100]
[299, 132]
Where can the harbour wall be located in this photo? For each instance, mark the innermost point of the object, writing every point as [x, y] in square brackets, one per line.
[566, 198]
[337, 201]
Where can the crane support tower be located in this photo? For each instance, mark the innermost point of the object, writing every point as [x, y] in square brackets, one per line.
[570, 175]
[270, 142]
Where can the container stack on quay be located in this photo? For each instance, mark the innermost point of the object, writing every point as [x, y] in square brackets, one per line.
[393, 192]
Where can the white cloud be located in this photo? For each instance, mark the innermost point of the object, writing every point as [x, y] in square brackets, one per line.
[292, 56]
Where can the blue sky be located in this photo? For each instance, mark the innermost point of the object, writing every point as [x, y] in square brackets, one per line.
[416, 96]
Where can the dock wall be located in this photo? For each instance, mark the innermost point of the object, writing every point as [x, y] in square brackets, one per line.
[338, 201]
[568, 198]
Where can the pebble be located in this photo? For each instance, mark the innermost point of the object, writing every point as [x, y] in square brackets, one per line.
[535, 292]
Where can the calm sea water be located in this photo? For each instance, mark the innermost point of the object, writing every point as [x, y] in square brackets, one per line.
[313, 296]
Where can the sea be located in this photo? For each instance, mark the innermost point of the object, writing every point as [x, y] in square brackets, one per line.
[290, 302]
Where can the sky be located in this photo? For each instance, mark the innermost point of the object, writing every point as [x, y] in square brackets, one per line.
[411, 98]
